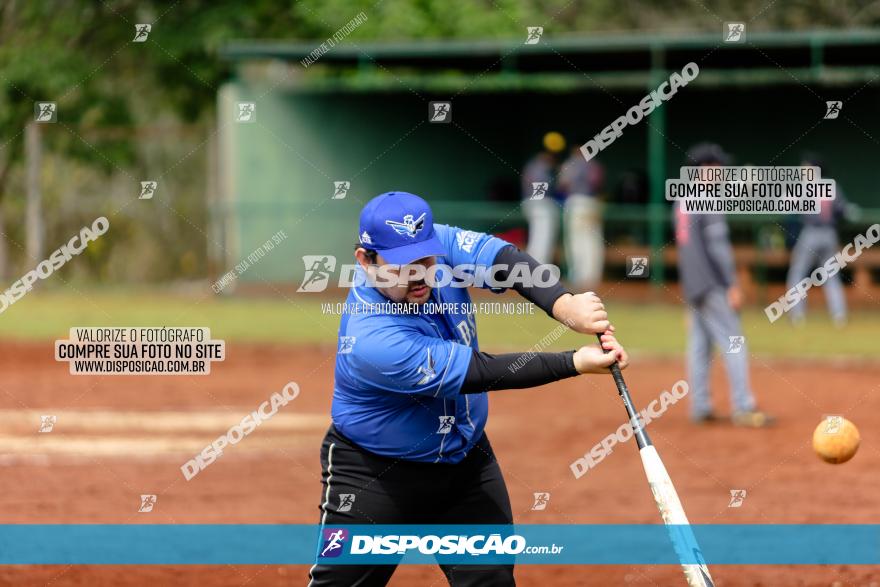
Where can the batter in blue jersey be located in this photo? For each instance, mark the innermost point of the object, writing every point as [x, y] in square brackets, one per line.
[410, 403]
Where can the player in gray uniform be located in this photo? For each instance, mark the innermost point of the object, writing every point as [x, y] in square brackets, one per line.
[708, 280]
[817, 242]
[581, 182]
[540, 205]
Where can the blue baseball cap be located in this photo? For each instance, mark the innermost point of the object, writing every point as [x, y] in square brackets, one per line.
[400, 227]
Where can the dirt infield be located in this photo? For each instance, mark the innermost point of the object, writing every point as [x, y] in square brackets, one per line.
[116, 438]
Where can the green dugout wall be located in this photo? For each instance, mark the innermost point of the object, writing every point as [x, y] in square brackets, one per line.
[361, 115]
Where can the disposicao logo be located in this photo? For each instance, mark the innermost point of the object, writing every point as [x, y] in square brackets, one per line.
[334, 541]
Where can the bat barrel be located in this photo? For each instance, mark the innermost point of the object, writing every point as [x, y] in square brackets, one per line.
[683, 539]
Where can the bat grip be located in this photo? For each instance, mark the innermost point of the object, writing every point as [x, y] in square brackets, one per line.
[615, 368]
[642, 438]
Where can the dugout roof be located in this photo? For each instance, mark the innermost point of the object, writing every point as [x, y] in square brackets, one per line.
[620, 60]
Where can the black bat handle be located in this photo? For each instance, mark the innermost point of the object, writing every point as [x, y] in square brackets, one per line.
[642, 438]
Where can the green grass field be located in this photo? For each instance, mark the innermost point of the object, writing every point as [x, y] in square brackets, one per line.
[645, 328]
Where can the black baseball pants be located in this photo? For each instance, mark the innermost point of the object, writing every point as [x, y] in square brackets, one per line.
[394, 491]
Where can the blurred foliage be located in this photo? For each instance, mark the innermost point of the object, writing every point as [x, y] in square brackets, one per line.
[80, 54]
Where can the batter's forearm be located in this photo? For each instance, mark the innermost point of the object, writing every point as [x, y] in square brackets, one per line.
[516, 370]
[542, 296]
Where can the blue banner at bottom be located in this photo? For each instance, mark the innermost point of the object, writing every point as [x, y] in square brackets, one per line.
[619, 544]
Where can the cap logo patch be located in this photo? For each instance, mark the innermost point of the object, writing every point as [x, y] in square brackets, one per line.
[409, 227]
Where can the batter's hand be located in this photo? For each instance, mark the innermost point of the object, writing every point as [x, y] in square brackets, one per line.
[592, 359]
[584, 313]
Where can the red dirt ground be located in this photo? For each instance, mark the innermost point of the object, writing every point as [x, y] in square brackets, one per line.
[273, 475]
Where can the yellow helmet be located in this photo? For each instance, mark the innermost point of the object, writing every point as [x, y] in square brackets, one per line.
[554, 142]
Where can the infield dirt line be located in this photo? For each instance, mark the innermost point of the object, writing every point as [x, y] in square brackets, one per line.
[134, 446]
[154, 421]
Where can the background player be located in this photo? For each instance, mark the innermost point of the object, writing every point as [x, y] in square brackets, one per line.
[407, 443]
[709, 285]
[580, 183]
[542, 209]
[817, 242]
